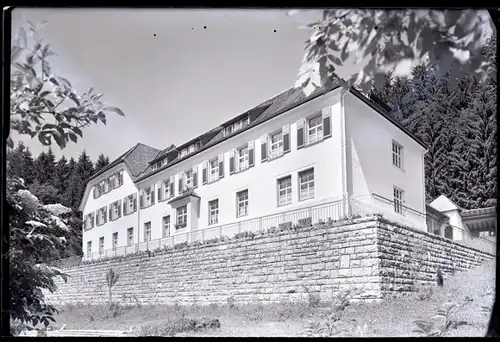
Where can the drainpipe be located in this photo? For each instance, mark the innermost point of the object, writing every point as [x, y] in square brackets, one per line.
[345, 195]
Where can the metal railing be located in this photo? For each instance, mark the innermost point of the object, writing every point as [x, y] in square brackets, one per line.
[462, 236]
[334, 210]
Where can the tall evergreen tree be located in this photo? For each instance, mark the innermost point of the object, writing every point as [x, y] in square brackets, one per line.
[45, 165]
[459, 126]
[28, 166]
[15, 161]
[483, 146]
[61, 177]
[101, 162]
[81, 172]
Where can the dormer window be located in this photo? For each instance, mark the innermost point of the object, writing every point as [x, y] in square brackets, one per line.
[157, 165]
[184, 152]
[236, 126]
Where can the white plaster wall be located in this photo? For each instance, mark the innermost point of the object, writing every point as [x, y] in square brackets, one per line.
[369, 157]
[260, 180]
[456, 221]
[120, 225]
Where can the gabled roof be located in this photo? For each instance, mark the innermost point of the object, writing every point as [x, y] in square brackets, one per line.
[273, 107]
[443, 203]
[133, 157]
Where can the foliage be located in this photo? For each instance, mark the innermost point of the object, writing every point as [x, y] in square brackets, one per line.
[327, 322]
[101, 162]
[458, 124]
[37, 237]
[439, 324]
[44, 104]
[111, 279]
[392, 41]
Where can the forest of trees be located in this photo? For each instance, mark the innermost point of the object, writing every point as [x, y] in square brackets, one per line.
[56, 181]
[459, 126]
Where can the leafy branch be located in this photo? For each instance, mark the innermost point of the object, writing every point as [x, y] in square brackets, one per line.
[37, 97]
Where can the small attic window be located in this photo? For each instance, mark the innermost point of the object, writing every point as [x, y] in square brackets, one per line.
[229, 129]
[158, 164]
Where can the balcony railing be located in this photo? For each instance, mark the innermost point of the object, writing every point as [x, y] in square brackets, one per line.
[335, 210]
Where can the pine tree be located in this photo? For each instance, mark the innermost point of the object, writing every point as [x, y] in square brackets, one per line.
[45, 165]
[101, 162]
[28, 166]
[483, 146]
[82, 171]
[15, 161]
[61, 177]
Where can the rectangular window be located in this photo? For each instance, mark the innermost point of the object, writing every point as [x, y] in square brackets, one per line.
[228, 130]
[116, 207]
[397, 154]
[102, 215]
[147, 231]
[398, 200]
[130, 236]
[184, 152]
[182, 217]
[130, 200]
[89, 247]
[115, 240]
[243, 158]
[189, 179]
[284, 191]
[166, 226]
[191, 149]
[166, 189]
[213, 215]
[147, 193]
[276, 146]
[306, 185]
[214, 170]
[315, 129]
[101, 244]
[242, 203]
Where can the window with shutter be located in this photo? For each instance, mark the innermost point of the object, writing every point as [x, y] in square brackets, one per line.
[195, 177]
[204, 173]
[141, 199]
[152, 194]
[242, 158]
[159, 186]
[286, 138]
[231, 162]
[263, 148]
[172, 186]
[251, 159]
[221, 165]
[300, 133]
[276, 144]
[214, 170]
[327, 125]
[125, 212]
[181, 183]
[314, 129]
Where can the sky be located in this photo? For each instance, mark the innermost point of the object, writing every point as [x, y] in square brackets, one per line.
[175, 73]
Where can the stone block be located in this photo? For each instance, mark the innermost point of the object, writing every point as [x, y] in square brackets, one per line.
[345, 261]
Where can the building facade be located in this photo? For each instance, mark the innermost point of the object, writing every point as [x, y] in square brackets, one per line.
[287, 154]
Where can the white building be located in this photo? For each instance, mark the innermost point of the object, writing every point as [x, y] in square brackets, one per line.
[292, 157]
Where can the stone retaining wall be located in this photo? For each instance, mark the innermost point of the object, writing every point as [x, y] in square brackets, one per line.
[369, 254]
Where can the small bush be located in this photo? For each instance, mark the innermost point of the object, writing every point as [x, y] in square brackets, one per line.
[169, 328]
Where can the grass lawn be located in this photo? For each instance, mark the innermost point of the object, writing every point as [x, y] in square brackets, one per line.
[473, 290]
